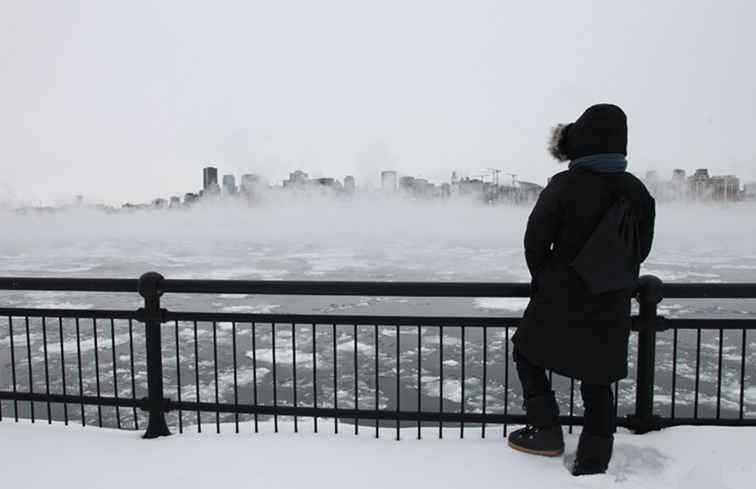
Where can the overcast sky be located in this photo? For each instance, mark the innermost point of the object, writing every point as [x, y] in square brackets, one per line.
[126, 101]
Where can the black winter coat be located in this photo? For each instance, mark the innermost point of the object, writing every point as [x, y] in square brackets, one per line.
[565, 328]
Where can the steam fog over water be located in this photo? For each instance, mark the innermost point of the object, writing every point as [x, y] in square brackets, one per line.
[358, 240]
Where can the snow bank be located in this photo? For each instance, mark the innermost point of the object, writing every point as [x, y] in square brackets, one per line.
[42, 456]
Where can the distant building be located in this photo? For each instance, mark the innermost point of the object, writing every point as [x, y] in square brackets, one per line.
[327, 182]
[209, 177]
[678, 188]
[190, 198]
[250, 181]
[749, 190]
[699, 184]
[175, 202]
[212, 190]
[528, 191]
[388, 181]
[296, 179]
[349, 184]
[229, 184]
[423, 188]
[725, 187]
[159, 203]
[407, 184]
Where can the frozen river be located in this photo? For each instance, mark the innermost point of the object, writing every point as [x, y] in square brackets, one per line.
[364, 240]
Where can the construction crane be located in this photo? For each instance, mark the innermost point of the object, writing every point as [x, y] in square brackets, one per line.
[496, 172]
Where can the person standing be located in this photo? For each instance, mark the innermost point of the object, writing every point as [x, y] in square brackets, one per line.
[568, 326]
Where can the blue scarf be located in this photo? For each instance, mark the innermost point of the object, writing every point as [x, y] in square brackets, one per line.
[603, 163]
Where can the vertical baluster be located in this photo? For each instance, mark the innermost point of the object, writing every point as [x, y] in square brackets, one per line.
[29, 361]
[62, 369]
[178, 379]
[506, 377]
[377, 394]
[398, 382]
[294, 371]
[13, 367]
[719, 374]
[572, 403]
[215, 375]
[254, 373]
[462, 398]
[133, 379]
[236, 377]
[698, 371]
[674, 373]
[97, 372]
[47, 369]
[485, 379]
[81, 376]
[335, 383]
[115, 371]
[197, 378]
[742, 372]
[275, 377]
[419, 378]
[314, 379]
[440, 380]
[356, 384]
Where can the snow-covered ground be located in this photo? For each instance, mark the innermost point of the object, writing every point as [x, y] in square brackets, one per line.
[45, 456]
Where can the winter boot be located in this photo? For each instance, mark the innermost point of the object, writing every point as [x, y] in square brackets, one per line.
[593, 454]
[542, 435]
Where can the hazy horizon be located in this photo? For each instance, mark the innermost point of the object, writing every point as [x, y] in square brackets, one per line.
[127, 102]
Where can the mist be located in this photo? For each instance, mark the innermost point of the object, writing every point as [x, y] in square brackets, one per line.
[365, 238]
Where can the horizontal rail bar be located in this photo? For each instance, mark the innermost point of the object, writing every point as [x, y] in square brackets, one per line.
[473, 321]
[362, 414]
[347, 288]
[73, 399]
[69, 284]
[669, 422]
[71, 313]
[743, 290]
[707, 323]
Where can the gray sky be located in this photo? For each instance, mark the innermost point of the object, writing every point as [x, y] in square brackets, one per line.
[129, 100]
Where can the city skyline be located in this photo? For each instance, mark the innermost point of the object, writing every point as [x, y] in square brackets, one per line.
[699, 185]
[89, 108]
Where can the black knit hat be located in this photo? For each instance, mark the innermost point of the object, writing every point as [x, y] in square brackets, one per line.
[601, 129]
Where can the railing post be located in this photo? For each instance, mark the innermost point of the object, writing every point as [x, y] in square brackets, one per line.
[649, 295]
[149, 288]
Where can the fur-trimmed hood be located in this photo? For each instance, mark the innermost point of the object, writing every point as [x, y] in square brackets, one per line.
[600, 129]
[557, 143]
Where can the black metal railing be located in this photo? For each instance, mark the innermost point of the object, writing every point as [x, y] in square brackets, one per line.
[365, 370]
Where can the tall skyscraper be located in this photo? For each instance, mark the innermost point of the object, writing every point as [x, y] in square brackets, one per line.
[209, 177]
[388, 181]
[229, 184]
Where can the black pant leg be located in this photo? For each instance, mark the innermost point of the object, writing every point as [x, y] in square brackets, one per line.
[532, 377]
[599, 409]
